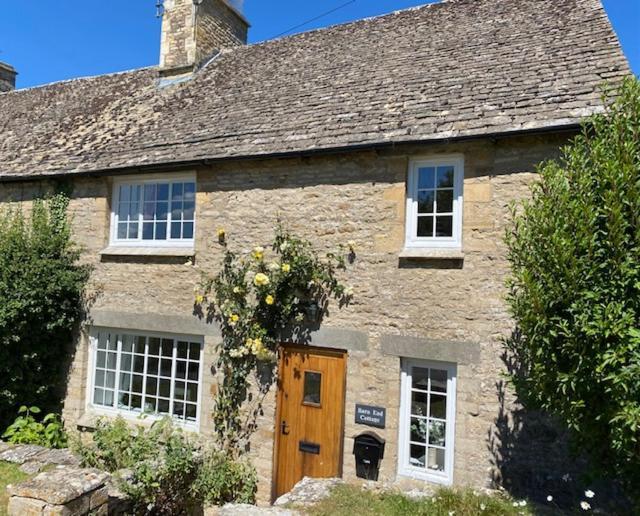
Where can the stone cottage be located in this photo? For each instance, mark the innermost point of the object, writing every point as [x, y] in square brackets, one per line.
[407, 133]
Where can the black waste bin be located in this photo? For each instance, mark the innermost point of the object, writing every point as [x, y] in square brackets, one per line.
[369, 451]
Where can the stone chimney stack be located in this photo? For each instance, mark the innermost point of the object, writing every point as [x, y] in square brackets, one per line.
[7, 77]
[195, 30]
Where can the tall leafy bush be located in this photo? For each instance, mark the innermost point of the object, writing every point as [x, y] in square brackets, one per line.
[41, 293]
[574, 249]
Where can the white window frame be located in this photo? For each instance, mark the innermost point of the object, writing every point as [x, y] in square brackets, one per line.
[139, 242]
[405, 468]
[130, 415]
[412, 241]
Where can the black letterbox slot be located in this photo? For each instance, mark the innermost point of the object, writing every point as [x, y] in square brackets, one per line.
[309, 447]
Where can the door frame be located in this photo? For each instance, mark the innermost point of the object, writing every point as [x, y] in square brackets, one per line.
[276, 426]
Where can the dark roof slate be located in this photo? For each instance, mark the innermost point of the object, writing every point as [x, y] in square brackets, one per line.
[454, 69]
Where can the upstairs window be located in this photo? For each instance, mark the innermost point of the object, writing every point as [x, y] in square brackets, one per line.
[154, 212]
[434, 203]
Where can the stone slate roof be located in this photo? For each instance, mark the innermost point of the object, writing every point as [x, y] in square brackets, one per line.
[459, 68]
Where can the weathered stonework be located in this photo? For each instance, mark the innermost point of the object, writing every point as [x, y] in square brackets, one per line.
[399, 304]
[192, 32]
[7, 77]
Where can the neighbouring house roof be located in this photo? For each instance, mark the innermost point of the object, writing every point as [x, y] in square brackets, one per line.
[459, 68]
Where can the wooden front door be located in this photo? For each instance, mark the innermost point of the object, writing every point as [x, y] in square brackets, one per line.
[310, 415]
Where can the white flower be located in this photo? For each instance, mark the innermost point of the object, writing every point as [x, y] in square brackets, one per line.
[349, 292]
[482, 507]
[522, 503]
[284, 246]
[589, 493]
[451, 513]
[515, 504]
[549, 498]
[273, 266]
[585, 505]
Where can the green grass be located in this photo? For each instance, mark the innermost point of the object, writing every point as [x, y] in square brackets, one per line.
[9, 474]
[353, 501]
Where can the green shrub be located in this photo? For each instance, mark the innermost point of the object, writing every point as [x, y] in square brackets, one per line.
[165, 471]
[41, 303]
[223, 480]
[26, 430]
[574, 250]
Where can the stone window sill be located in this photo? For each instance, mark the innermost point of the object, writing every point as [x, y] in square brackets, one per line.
[432, 254]
[148, 251]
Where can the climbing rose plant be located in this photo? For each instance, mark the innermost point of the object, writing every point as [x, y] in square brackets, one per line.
[256, 299]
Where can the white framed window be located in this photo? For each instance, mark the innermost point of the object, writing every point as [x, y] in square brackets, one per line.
[134, 373]
[154, 211]
[427, 421]
[434, 202]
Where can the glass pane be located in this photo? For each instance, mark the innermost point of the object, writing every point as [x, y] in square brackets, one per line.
[133, 230]
[165, 388]
[125, 191]
[187, 230]
[152, 386]
[108, 398]
[102, 340]
[165, 368]
[126, 362]
[112, 360]
[136, 193]
[425, 201]
[178, 409]
[163, 192]
[181, 369]
[420, 378]
[127, 343]
[150, 405]
[176, 192]
[192, 392]
[425, 226]
[154, 346]
[189, 209]
[438, 407]
[419, 430]
[134, 209]
[136, 384]
[110, 379]
[426, 177]
[102, 359]
[183, 349]
[312, 387]
[444, 226]
[125, 382]
[140, 344]
[419, 403]
[149, 211]
[193, 371]
[179, 390]
[189, 191]
[112, 342]
[176, 210]
[445, 177]
[167, 347]
[417, 455]
[436, 459]
[175, 229]
[437, 433]
[194, 351]
[123, 212]
[138, 364]
[136, 402]
[99, 378]
[98, 397]
[445, 201]
[163, 406]
[149, 192]
[122, 230]
[161, 211]
[191, 412]
[161, 231]
[438, 380]
[123, 400]
[147, 231]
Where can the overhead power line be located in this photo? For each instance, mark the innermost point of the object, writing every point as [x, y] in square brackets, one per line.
[316, 18]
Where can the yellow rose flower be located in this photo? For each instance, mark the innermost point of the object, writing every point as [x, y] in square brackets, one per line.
[258, 253]
[269, 299]
[237, 290]
[222, 234]
[199, 299]
[234, 318]
[261, 280]
[286, 267]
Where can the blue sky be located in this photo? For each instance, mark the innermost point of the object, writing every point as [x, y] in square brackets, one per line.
[49, 41]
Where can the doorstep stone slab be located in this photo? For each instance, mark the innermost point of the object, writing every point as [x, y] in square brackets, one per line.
[243, 509]
[61, 485]
[308, 491]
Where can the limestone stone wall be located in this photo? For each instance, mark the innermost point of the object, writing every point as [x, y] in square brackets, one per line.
[434, 309]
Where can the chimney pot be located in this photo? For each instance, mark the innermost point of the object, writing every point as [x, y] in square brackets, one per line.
[7, 77]
[195, 30]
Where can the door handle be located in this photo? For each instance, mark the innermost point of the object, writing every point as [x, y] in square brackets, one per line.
[284, 428]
